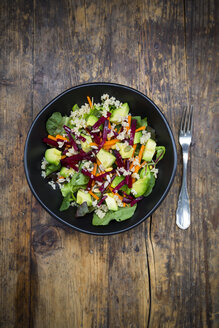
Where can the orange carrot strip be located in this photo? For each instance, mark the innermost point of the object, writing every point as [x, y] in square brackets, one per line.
[93, 144]
[134, 148]
[142, 164]
[139, 157]
[107, 147]
[51, 137]
[61, 177]
[114, 193]
[109, 123]
[98, 162]
[58, 136]
[92, 194]
[90, 102]
[140, 129]
[129, 122]
[120, 197]
[111, 142]
[94, 169]
[141, 153]
[63, 156]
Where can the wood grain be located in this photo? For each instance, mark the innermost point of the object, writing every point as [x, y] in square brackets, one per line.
[16, 115]
[154, 275]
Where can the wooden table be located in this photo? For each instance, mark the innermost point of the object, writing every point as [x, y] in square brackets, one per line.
[154, 275]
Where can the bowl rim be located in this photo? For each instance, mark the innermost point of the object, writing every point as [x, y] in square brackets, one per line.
[164, 193]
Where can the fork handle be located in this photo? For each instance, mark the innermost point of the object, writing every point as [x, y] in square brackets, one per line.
[183, 210]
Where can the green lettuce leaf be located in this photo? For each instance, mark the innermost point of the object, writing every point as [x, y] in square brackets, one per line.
[50, 168]
[160, 151]
[151, 183]
[120, 215]
[66, 202]
[54, 124]
[78, 181]
[75, 107]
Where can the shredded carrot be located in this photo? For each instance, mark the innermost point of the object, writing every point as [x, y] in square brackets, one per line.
[129, 122]
[94, 169]
[98, 162]
[61, 177]
[90, 102]
[114, 193]
[134, 148]
[51, 137]
[115, 130]
[119, 130]
[63, 156]
[92, 194]
[120, 197]
[131, 166]
[140, 129]
[139, 157]
[111, 142]
[109, 123]
[93, 144]
[142, 164]
[58, 136]
[137, 168]
[141, 153]
[107, 147]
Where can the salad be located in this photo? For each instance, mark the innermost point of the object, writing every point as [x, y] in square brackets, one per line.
[103, 159]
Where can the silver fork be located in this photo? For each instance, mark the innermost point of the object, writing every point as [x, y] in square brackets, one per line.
[185, 137]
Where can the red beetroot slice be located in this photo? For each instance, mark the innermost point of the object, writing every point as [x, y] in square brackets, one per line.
[50, 142]
[71, 140]
[132, 134]
[136, 200]
[118, 158]
[122, 183]
[102, 200]
[101, 120]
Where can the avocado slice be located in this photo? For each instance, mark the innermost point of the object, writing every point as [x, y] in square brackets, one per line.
[119, 113]
[125, 151]
[149, 150]
[107, 159]
[53, 156]
[140, 186]
[92, 119]
[111, 203]
[86, 144]
[83, 197]
[65, 172]
[137, 137]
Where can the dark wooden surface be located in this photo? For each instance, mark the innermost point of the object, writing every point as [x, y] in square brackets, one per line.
[154, 275]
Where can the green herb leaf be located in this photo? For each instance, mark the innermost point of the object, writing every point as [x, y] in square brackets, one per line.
[50, 168]
[160, 151]
[66, 203]
[151, 183]
[75, 107]
[120, 215]
[54, 124]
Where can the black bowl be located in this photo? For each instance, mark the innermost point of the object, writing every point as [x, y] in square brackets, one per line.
[51, 199]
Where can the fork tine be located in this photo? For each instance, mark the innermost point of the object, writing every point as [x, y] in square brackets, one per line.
[182, 125]
[190, 121]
